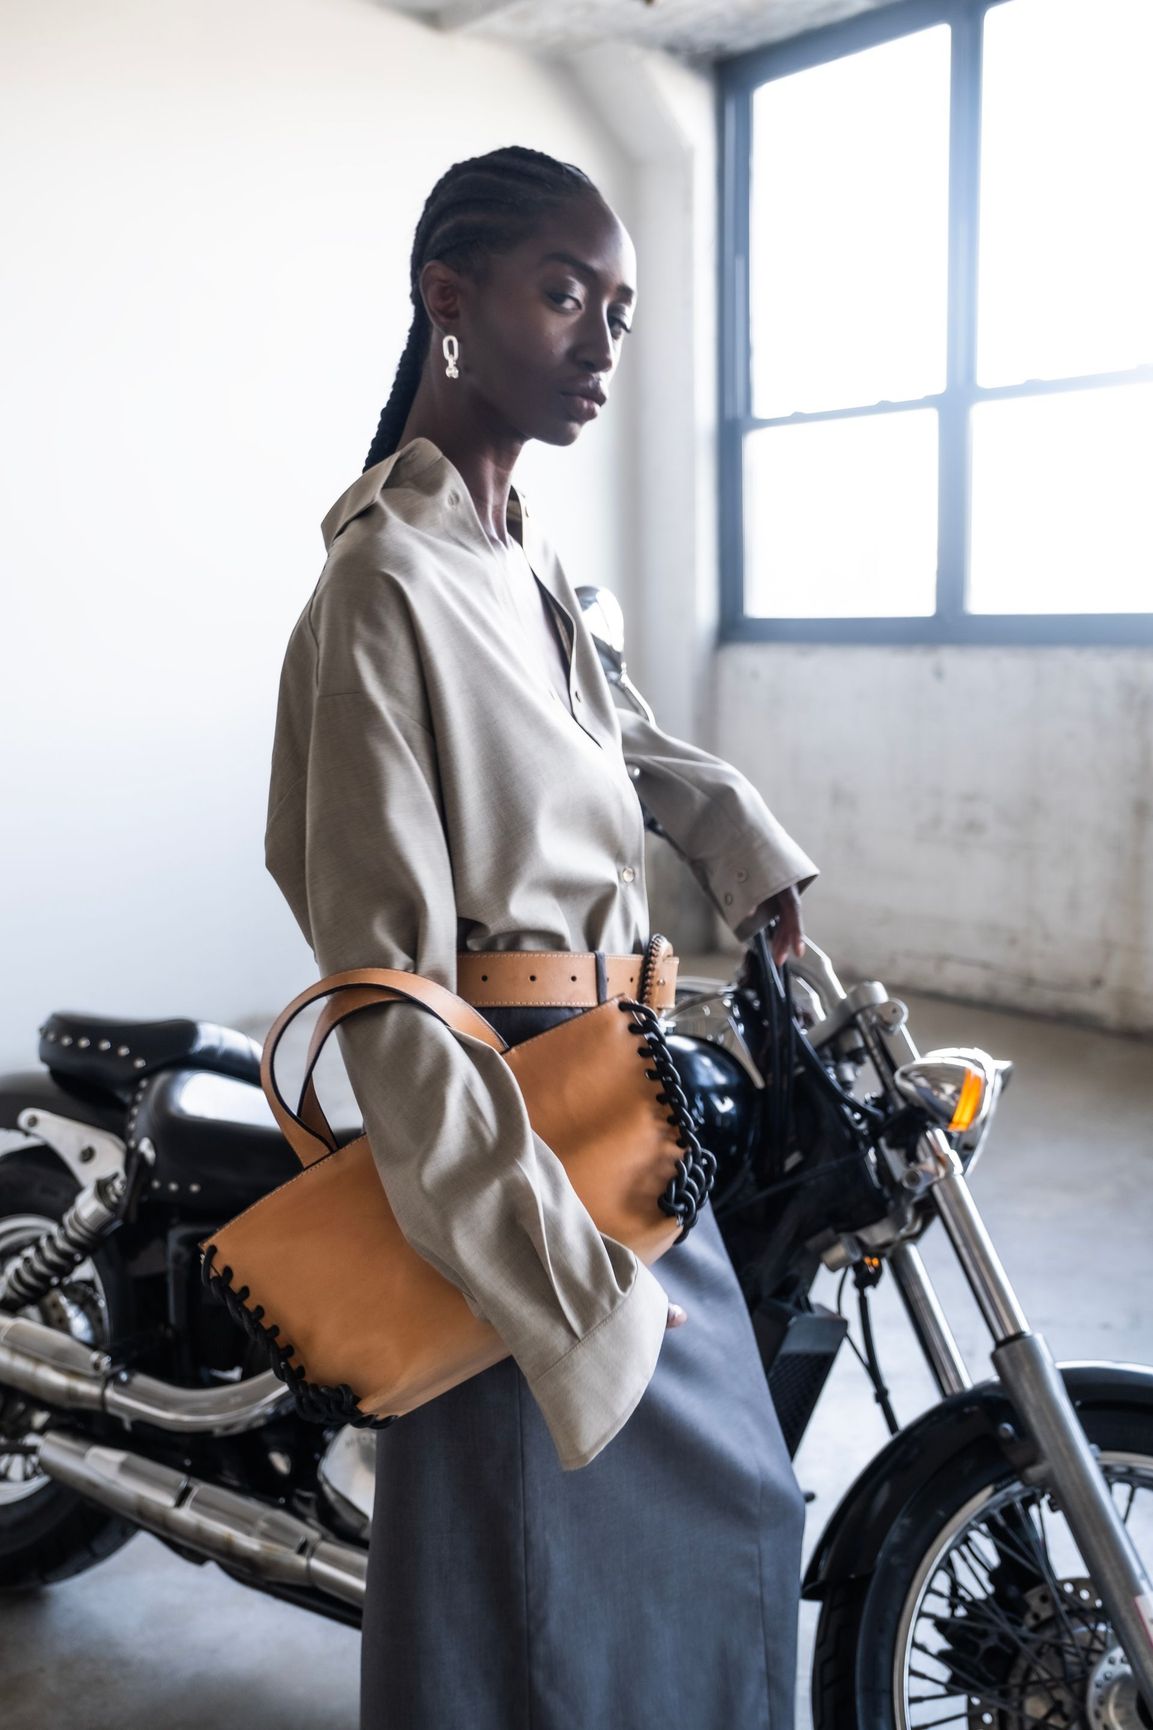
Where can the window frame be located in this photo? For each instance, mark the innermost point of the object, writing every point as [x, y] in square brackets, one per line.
[737, 79]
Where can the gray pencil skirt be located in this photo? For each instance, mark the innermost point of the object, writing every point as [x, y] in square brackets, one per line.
[653, 1589]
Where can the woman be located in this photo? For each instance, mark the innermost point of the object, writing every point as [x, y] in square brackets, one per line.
[601, 1532]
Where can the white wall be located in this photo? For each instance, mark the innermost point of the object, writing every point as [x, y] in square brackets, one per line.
[203, 298]
[983, 818]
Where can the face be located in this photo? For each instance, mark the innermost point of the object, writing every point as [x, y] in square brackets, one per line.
[543, 327]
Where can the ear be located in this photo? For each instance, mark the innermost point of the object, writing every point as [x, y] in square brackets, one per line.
[443, 291]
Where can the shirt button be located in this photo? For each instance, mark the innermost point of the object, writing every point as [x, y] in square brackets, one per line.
[627, 873]
[728, 899]
[741, 874]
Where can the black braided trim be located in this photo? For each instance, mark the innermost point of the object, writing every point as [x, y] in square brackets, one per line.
[316, 1403]
[648, 962]
[688, 1191]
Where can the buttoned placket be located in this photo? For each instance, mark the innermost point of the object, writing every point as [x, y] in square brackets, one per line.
[460, 495]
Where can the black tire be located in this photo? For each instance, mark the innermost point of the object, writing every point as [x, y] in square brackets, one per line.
[855, 1662]
[52, 1533]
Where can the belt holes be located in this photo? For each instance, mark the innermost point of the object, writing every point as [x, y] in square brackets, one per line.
[484, 975]
[532, 976]
[572, 976]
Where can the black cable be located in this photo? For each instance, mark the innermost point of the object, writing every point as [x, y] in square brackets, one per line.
[796, 1182]
[867, 1359]
[873, 1366]
[777, 989]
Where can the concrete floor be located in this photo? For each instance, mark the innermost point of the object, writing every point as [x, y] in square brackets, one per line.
[148, 1642]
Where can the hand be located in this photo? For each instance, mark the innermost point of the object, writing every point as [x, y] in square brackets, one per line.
[677, 1316]
[788, 937]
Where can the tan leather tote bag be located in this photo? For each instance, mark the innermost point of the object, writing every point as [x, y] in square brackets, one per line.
[358, 1325]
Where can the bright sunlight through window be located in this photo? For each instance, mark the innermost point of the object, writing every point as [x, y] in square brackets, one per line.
[949, 357]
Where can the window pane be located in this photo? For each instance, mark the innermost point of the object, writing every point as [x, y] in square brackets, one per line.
[1062, 505]
[1066, 246]
[848, 226]
[841, 518]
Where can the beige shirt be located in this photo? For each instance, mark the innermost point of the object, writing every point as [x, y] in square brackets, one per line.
[431, 791]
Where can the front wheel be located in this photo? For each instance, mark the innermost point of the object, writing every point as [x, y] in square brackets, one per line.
[47, 1531]
[980, 1613]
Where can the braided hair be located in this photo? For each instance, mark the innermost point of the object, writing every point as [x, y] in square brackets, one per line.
[481, 206]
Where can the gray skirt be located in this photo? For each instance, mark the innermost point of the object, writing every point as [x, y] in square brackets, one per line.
[654, 1589]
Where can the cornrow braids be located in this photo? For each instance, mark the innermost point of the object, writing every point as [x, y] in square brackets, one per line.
[479, 207]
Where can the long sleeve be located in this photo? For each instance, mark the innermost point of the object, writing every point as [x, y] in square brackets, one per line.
[716, 820]
[358, 845]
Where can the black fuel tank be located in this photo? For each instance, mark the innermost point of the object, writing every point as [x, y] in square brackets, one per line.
[721, 1096]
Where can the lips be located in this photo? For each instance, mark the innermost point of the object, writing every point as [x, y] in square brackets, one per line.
[584, 401]
[590, 392]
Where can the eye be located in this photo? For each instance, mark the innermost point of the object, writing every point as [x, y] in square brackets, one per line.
[623, 328]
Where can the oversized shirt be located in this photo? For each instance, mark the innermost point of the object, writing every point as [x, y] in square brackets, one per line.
[431, 792]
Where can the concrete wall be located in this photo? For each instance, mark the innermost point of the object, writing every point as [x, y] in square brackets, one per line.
[983, 818]
[203, 298]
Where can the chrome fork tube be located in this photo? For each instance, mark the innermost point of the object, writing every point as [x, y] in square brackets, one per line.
[973, 1246]
[1067, 1466]
[928, 1320]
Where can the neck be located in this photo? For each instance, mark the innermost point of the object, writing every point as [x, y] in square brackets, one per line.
[485, 463]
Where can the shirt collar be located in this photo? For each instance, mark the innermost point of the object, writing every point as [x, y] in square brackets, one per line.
[412, 459]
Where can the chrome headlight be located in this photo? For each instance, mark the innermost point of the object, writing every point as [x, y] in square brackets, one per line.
[958, 1087]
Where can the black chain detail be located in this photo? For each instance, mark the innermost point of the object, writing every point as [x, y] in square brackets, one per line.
[688, 1191]
[313, 1401]
[648, 962]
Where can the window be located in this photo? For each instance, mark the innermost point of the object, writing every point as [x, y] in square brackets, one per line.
[937, 327]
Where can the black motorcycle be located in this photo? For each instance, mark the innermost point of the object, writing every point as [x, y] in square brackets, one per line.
[984, 1569]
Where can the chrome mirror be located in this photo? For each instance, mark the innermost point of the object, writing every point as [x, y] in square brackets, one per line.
[958, 1086]
[605, 620]
[606, 623]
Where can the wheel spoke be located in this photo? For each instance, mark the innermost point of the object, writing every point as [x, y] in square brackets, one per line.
[936, 1723]
[1005, 1621]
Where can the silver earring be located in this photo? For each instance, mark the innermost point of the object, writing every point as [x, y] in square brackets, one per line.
[450, 354]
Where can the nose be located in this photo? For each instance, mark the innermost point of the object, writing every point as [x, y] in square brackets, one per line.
[595, 351]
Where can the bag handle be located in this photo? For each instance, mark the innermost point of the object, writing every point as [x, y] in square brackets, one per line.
[339, 1007]
[306, 1130]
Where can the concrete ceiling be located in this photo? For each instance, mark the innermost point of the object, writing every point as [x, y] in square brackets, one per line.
[697, 31]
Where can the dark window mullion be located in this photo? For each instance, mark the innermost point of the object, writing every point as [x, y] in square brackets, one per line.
[855, 411]
[955, 467]
[734, 358]
[1057, 386]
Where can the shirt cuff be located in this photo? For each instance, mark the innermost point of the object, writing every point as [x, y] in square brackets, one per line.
[745, 877]
[587, 1395]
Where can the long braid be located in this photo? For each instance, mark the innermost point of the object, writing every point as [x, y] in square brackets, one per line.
[481, 206]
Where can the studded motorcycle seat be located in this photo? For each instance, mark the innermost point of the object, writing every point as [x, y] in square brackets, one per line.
[117, 1054]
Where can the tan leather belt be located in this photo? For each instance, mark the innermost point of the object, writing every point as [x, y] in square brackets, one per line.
[559, 977]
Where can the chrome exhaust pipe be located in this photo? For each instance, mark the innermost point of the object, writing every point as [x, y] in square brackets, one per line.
[244, 1535]
[57, 1370]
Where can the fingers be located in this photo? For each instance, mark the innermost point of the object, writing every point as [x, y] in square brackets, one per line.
[789, 936]
[677, 1316]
